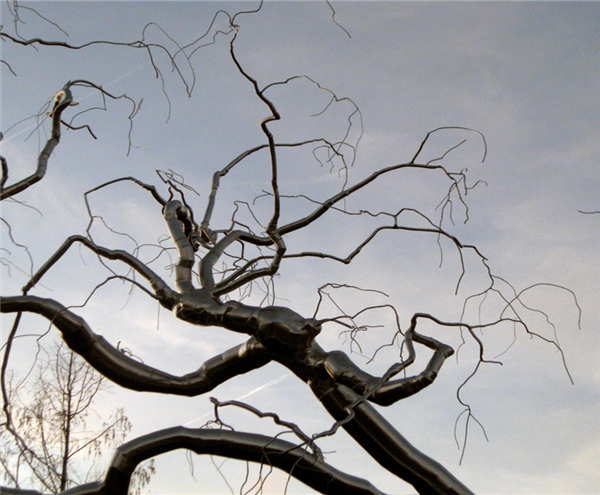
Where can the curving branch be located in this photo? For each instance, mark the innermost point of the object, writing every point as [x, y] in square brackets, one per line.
[118, 367]
[166, 296]
[62, 100]
[208, 235]
[326, 205]
[272, 226]
[290, 458]
[139, 44]
[293, 428]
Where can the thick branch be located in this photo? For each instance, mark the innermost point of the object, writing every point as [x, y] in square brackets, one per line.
[288, 457]
[385, 444]
[210, 258]
[175, 215]
[127, 372]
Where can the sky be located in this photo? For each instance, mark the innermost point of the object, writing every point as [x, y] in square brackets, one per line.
[524, 74]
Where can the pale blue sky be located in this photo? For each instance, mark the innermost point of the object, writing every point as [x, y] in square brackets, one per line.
[526, 74]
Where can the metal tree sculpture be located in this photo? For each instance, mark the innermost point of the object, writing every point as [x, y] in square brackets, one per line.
[276, 333]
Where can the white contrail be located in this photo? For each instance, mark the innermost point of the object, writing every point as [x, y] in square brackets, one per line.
[257, 389]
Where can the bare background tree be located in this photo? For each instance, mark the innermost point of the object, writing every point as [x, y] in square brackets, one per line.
[228, 256]
[52, 443]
